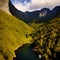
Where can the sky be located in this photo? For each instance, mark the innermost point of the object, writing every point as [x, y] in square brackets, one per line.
[31, 5]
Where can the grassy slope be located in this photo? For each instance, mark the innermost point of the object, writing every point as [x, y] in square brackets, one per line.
[12, 34]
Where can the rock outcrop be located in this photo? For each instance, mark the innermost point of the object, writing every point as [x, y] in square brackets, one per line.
[4, 5]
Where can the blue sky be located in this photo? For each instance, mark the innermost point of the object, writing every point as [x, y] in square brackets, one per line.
[29, 5]
[23, 2]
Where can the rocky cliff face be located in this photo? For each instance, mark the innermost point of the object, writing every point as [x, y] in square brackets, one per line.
[43, 13]
[4, 5]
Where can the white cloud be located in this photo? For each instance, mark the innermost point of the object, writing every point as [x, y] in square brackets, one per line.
[21, 7]
[37, 4]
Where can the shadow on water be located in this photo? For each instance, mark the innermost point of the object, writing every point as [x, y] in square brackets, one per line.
[26, 52]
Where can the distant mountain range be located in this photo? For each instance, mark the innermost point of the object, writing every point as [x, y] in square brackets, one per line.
[43, 15]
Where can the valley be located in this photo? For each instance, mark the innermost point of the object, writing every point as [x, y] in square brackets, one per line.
[29, 35]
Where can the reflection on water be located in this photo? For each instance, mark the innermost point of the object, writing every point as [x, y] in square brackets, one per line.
[26, 52]
[40, 56]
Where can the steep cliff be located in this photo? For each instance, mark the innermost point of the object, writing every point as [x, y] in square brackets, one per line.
[4, 5]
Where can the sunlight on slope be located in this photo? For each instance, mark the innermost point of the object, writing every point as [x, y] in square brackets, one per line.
[12, 35]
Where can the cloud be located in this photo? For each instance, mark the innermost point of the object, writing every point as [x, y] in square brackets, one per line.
[21, 6]
[37, 4]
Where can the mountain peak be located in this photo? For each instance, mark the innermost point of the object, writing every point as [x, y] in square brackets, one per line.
[43, 13]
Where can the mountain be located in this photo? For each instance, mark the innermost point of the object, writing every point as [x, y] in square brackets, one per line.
[38, 16]
[56, 11]
[43, 15]
[4, 5]
[12, 35]
[15, 12]
[26, 16]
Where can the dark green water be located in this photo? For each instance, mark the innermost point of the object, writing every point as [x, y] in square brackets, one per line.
[26, 52]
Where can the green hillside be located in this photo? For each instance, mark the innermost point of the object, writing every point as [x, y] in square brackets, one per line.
[12, 35]
[46, 39]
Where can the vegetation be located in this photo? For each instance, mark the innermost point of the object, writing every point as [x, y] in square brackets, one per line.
[46, 39]
[12, 35]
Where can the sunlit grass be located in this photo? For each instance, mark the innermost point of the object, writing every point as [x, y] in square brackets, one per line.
[12, 35]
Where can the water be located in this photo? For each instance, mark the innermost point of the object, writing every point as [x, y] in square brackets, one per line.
[26, 52]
